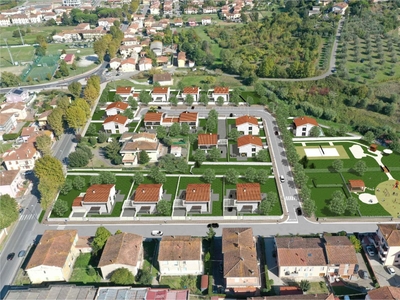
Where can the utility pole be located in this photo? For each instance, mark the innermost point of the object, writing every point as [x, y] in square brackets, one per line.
[9, 52]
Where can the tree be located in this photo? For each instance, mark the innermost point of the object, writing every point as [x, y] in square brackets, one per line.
[204, 99]
[76, 117]
[265, 207]
[84, 147]
[356, 243]
[67, 187]
[102, 137]
[185, 129]
[182, 166]
[79, 183]
[199, 157]
[175, 129]
[90, 94]
[100, 239]
[112, 149]
[263, 155]
[107, 177]
[234, 134]
[337, 165]
[122, 276]
[337, 205]
[360, 167]
[75, 88]
[138, 178]
[174, 100]
[214, 154]
[128, 113]
[143, 157]
[94, 180]
[8, 211]
[369, 137]
[50, 167]
[132, 103]
[157, 175]
[82, 104]
[93, 141]
[78, 159]
[189, 99]
[92, 130]
[8, 79]
[250, 174]
[144, 277]
[43, 144]
[144, 97]
[309, 207]
[232, 176]
[60, 207]
[315, 131]
[210, 233]
[352, 205]
[211, 125]
[208, 175]
[164, 208]
[262, 176]
[305, 285]
[161, 132]
[220, 101]
[63, 69]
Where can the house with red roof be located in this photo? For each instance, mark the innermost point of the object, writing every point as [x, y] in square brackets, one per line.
[191, 90]
[247, 124]
[115, 124]
[69, 58]
[303, 125]
[160, 94]
[116, 108]
[248, 197]
[207, 141]
[124, 91]
[197, 198]
[98, 199]
[249, 145]
[153, 119]
[146, 197]
[221, 91]
[128, 65]
[190, 118]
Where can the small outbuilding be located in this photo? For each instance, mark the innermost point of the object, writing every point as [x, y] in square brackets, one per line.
[373, 147]
[356, 185]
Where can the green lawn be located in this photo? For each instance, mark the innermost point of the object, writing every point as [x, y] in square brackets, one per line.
[203, 122]
[173, 282]
[253, 95]
[392, 160]
[149, 253]
[221, 169]
[98, 115]
[5, 146]
[125, 82]
[80, 270]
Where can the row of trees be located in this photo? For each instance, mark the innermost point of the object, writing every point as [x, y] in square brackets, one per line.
[109, 43]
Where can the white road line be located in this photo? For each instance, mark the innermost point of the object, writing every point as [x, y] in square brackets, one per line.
[290, 198]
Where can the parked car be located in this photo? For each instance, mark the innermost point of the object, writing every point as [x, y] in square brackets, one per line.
[390, 270]
[276, 132]
[10, 256]
[356, 268]
[282, 178]
[365, 275]
[213, 225]
[370, 251]
[21, 253]
[157, 233]
[299, 211]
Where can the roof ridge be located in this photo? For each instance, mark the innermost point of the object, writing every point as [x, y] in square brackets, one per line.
[120, 246]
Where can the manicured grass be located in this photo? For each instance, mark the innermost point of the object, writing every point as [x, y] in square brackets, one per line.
[253, 95]
[392, 160]
[174, 282]
[99, 126]
[221, 169]
[116, 212]
[203, 123]
[317, 288]
[196, 80]
[80, 274]
[98, 115]
[41, 216]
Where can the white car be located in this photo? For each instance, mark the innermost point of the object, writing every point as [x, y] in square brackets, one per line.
[157, 233]
[391, 270]
[370, 251]
[282, 178]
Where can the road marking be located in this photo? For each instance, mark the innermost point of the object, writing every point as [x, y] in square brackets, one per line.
[61, 227]
[290, 198]
[27, 217]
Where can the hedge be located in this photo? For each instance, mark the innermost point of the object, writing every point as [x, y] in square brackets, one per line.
[10, 136]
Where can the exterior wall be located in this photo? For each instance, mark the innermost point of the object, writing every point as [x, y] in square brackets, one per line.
[128, 68]
[248, 150]
[225, 96]
[392, 256]
[106, 271]
[23, 164]
[13, 98]
[196, 97]
[166, 83]
[115, 65]
[9, 125]
[110, 127]
[343, 270]
[303, 130]
[104, 207]
[11, 189]
[232, 282]
[138, 206]
[160, 97]
[240, 205]
[180, 268]
[204, 206]
[145, 67]
[302, 272]
[181, 63]
[114, 111]
[245, 128]
[20, 114]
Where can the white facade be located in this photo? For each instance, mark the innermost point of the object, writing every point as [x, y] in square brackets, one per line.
[9, 181]
[115, 63]
[149, 206]
[180, 268]
[8, 122]
[303, 130]
[145, 65]
[19, 19]
[5, 21]
[247, 206]
[249, 150]
[107, 270]
[127, 67]
[248, 128]
[197, 206]
[71, 2]
[115, 127]
[160, 96]
[224, 96]
[302, 271]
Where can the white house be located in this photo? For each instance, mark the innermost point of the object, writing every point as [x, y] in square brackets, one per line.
[146, 197]
[152, 119]
[116, 108]
[98, 199]
[247, 125]
[194, 91]
[207, 141]
[22, 158]
[249, 145]
[138, 142]
[387, 242]
[163, 79]
[4, 21]
[303, 125]
[107, 22]
[115, 63]
[221, 91]
[8, 122]
[248, 197]
[19, 19]
[190, 118]
[145, 64]
[54, 256]
[10, 182]
[124, 250]
[124, 91]
[18, 109]
[115, 124]
[340, 8]
[180, 255]
[128, 65]
[197, 198]
[17, 95]
[206, 21]
[160, 94]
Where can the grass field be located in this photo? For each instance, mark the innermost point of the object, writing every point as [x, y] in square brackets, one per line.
[340, 149]
[80, 270]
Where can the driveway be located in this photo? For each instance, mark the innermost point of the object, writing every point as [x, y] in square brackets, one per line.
[222, 129]
[382, 275]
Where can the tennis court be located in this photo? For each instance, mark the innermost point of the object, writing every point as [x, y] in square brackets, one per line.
[41, 68]
[322, 152]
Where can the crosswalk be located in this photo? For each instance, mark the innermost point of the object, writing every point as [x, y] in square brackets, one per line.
[27, 217]
[290, 198]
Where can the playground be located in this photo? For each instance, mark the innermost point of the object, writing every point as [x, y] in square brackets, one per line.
[388, 195]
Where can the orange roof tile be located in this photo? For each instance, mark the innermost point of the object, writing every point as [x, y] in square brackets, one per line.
[147, 193]
[179, 247]
[191, 90]
[248, 192]
[246, 119]
[25, 151]
[221, 90]
[181, 56]
[340, 250]
[356, 183]
[153, 116]
[7, 177]
[391, 233]
[385, 292]
[198, 192]
[98, 193]
[77, 201]
[118, 104]
[27, 131]
[123, 90]
[160, 90]
[171, 120]
[207, 139]
[249, 139]
[305, 120]
[188, 117]
[120, 119]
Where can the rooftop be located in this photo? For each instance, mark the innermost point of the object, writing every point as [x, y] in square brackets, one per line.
[118, 104]
[120, 119]
[8, 177]
[339, 250]
[391, 232]
[221, 90]
[207, 139]
[248, 192]
[162, 77]
[147, 193]
[305, 120]
[98, 193]
[160, 90]
[190, 90]
[179, 247]
[188, 116]
[198, 192]
[246, 119]
[249, 140]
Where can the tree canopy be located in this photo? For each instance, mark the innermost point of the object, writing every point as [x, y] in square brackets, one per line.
[8, 211]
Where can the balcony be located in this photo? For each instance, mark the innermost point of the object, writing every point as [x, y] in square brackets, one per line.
[381, 256]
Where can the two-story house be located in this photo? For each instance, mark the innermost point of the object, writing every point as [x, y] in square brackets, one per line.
[180, 255]
[17, 95]
[10, 181]
[247, 124]
[116, 108]
[54, 256]
[146, 197]
[145, 64]
[191, 90]
[248, 197]
[197, 198]
[98, 199]
[221, 91]
[22, 158]
[240, 264]
[303, 125]
[249, 145]
[18, 109]
[387, 242]
[128, 65]
[8, 122]
[115, 124]
[152, 119]
[138, 142]
[207, 141]
[124, 250]
[160, 94]
[206, 21]
[124, 91]
[181, 59]
[190, 118]
[163, 79]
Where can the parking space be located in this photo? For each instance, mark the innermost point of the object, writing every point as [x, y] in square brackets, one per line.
[381, 272]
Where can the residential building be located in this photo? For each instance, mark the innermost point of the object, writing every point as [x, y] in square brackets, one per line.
[124, 91]
[206, 21]
[191, 90]
[98, 199]
[19, 19]
[249, 145]
[356, 185]
[107, 22]
[138, 142]
[316, 10]
[146, 197]
[145, 64]
[71, 3]
[300, 258]
[207, 141]
[156, 47]
[63, 292]
[384, 292]
[10, 182]
[152, 119]
[115, 124]
[4, 21]
[128, 65]
[190, 118]
[116, 108]
[210, 10]
[387, 242]
[178, 22]
[54, 256]
[240, 264]
[115, 63]
[248, 197]
[248, 125]
[198, 198]
[8, 122]
[340, 8]
[160, 94]
[124, 250]
[341, 257]
[22, 158]
[180, 255]
[191, 10]
[163, 79]
[221, 91]
[303, 125]
[27, 132]
[42, 118]
[69, 59]
[181, 59]
[17, 95]
[35, 18]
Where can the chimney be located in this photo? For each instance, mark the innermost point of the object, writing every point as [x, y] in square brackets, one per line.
[244, 190]
[194, 190]
[93, 191]
[143, 191]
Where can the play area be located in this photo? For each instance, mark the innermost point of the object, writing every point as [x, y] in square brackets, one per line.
[322, 152]
[388, 195]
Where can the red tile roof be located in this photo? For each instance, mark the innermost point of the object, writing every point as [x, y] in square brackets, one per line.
[25, 151]
[198, 192]
[248, 192]
[207, 139]
[123, 90]
[171, 120]
[181, 56]
[221, 90]
[153, 116]
[117, 119]
[304, 120]
[391, 232]
[7, 177]
[27, 131]
[356, 183]
[179, 247]
[386, 292]
[188, 117]
[191, 90]
[249, 139]
[246, 119]
[118, 104]
[69, 57]
[77, 201]
[147, 193]
[160, 90]
[339, 250]
[98, 193]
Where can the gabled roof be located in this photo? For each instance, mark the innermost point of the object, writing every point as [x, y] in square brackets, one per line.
[122, 249]
[207, 139]
[386, 292]
[391, 233]
[339, 250]
[147, 193]
[129, 60]
[304, 120]
[25, 151]
[160, 90]
[198, 192]
[123, 90]
[179, 247]
[7, 177]
[27, 131]
[15, 105]
[188, 116]
[249, 140]
[246, 119]
[221, 90]
[53, 249]
[4, 117]
[120, 119]
[356, 183]
[119, 105]
[143, 135]
[239, 253]
[248, 192]
[182, 55]
[98, 193]
[153, 116]
[162, 77]
[341, 5]
[190, 90]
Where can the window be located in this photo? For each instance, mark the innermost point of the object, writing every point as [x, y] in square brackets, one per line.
[304, 129]
[253, 149]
